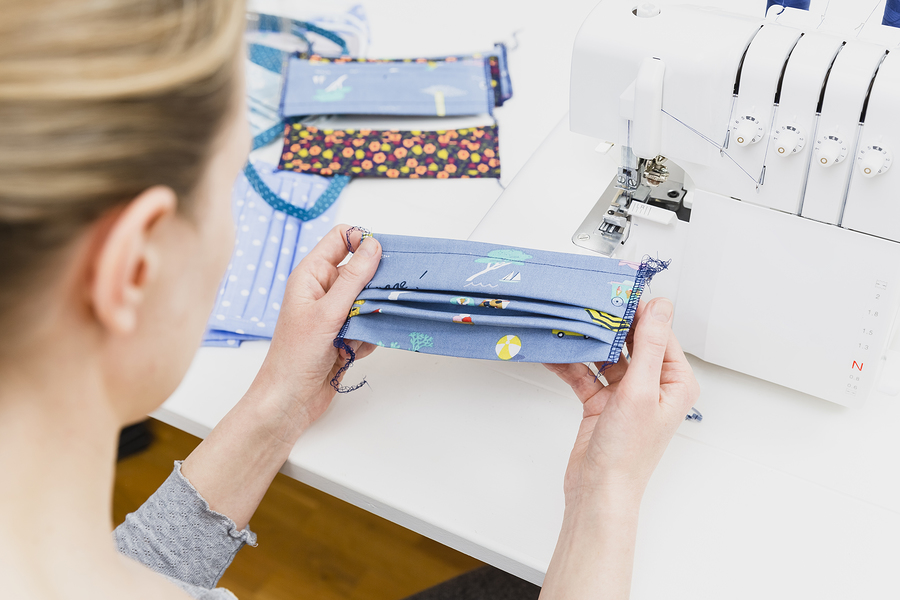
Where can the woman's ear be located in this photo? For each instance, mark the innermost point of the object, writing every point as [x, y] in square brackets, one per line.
[127, 259]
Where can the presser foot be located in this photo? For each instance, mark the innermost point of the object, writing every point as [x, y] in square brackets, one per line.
[607, 226]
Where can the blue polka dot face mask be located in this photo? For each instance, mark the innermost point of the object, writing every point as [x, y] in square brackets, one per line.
[269, 244]
[476, 300]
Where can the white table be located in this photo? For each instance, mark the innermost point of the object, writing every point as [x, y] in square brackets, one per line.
[775, 494]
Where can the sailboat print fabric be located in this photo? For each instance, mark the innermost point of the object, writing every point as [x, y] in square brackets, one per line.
[477, 300]
[430, 88]
[500, 83]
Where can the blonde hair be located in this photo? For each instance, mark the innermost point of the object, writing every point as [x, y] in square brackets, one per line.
[100, 100]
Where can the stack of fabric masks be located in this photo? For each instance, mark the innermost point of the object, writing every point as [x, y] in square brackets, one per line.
[450, 86]
[297, 71]
[280, 215]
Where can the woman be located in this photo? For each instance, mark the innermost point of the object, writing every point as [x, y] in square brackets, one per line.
[121, 129]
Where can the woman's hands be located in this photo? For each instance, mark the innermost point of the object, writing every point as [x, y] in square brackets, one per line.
[295, 379]
[625, 429]
[628, 424]
[233, 467]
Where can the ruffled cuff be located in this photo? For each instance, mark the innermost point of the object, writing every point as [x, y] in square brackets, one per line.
[177, 534]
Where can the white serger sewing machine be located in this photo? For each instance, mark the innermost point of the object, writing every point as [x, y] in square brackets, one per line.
[757, 154]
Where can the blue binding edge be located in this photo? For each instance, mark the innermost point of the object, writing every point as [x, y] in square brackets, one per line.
[325, 33]
[268, 136]
[339, 341]
[263, 56]
[322, 203]
[649, 267]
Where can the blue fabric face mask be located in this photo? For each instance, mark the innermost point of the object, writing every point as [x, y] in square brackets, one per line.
[271, 40]
[269, 245]
[264, 85]
[428, 88]
[476, 300]
[505, 82]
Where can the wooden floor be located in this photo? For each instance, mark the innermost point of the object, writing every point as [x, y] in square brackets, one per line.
[311, 545]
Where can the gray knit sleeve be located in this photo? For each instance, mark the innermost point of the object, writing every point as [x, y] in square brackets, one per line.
[175, 533]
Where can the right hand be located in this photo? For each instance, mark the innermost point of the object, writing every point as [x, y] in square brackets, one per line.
[627, 424]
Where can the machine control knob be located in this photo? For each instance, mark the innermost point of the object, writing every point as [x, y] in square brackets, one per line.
[746, 130]
[646, 9]
[830, 150]
[788, 140]
[874, 160]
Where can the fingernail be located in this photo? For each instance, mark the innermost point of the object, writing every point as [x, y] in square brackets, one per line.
[367, 247]
[662, 310]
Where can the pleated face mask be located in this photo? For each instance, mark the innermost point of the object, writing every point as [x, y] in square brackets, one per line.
[477, 300]
[350, 87]
[269, 245]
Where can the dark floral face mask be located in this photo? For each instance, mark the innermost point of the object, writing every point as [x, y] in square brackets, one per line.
[471, 152]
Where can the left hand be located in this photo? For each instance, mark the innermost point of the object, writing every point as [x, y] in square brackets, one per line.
[294, 382]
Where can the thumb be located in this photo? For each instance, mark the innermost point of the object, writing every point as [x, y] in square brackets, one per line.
[651, 336]
[354, 276]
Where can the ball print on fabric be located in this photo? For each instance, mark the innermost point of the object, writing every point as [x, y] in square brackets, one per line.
[443, 154]
[507, 347]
